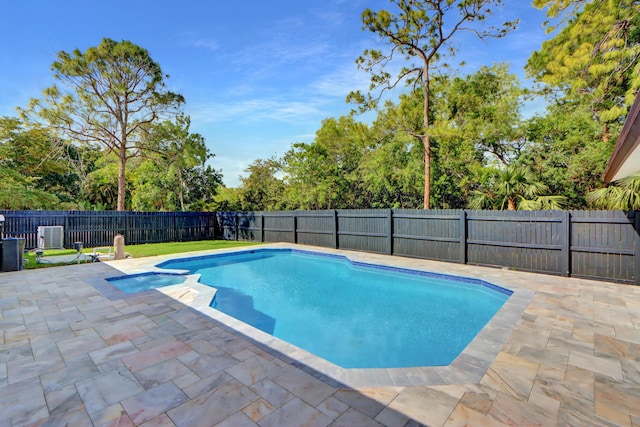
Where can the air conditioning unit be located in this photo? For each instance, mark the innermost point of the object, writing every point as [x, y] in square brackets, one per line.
[50, 237]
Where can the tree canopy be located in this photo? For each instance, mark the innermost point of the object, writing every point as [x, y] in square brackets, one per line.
[594, 57]
[110, 135]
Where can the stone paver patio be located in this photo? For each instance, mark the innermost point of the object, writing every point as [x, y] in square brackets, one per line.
[73, 352]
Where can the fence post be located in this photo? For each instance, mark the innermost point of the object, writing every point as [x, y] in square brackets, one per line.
[262, 226]
[390, 231]
[636, 214]
[335, 229]
[175, 227]
[236, 224]
[127, 238]
[463, 237]
[295, 227]
[566, 244]
[67, 233]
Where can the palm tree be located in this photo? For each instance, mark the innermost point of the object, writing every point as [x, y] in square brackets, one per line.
[622, 195]
[515, 187]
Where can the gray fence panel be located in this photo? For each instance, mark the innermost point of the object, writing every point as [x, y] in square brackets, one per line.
[249, 226]
[433, 235]
[363, 230]
[193, 226]
[596, 244]
[279, 227]
[98, 228]
[95, 228]
[601, 245]
[226, 226]
[148, 227]
[315, 228]
[24, 224]
[522, 240]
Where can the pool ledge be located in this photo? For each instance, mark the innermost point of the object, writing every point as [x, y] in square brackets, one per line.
[469, 367]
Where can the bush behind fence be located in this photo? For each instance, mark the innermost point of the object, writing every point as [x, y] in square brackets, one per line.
[603, 245]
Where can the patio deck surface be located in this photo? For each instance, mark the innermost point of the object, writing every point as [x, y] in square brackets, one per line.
[73, 353]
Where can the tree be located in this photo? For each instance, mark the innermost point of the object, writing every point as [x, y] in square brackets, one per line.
[109, 95]
[566, 151]
[179, 153]
[323, 174]
[476, 121]
[482, 108]
[621, 195]
[227, 200]
[594, 59]
[100, 187]
[391, 169]
[420, 31]
[34, 174]
[262, 189]
[516, 188]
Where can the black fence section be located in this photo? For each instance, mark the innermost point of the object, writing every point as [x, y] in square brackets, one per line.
[99, 228]
[603, 245]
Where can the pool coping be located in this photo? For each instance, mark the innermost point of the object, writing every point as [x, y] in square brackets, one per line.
[468, 367]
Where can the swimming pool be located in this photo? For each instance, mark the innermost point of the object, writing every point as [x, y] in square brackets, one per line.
[353, 314]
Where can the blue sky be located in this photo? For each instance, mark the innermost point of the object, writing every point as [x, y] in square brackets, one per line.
[257, 75]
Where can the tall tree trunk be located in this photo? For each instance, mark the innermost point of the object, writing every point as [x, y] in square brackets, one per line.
[426, 141]
[181, 189]
[122, 183]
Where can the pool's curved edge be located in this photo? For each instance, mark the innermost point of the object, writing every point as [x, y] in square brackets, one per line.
[468, 367]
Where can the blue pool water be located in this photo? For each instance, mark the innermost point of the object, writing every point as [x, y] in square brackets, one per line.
[145, 281]
[354, 315]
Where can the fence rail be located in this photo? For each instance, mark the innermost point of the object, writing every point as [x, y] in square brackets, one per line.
[603, 245]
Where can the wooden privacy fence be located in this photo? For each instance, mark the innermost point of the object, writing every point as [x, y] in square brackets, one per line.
[99, 228]
[603, 245]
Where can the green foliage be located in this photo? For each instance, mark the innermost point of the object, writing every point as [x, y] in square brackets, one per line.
[33, 172]
[567, 152]
[514, 187]
[483, 108]
[262, 190]
[174, 175]
[323, 174]
[621, 195]
[391, 170]
[420, 32]
[227, 200]
[594, 59]
[19, 192]
[100, 188]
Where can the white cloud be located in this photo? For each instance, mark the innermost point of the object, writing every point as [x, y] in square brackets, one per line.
[209, 44]
[256, 110]
[341, 81]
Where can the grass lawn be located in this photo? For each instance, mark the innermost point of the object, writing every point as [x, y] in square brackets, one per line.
[139, 251]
